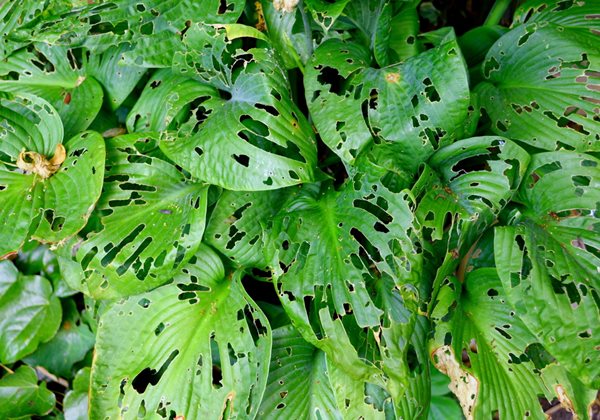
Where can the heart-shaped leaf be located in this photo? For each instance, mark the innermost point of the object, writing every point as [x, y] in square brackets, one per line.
[257, 139]
[21, 396]
[29, 313]
[50, 202]
[197, 347]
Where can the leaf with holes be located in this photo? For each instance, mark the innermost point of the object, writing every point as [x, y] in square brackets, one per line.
[299, 385]
[548, 260]
[499, 373]
[197, 347]
[29, 313]
[239, 226]
[540, 82]
[21, 396]
[256, 139]
[52, 74]
[471, 182]
[47, 200]
[151, 222]
[347, 267]
[416, 106]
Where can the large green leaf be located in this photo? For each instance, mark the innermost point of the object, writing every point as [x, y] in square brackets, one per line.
[197, 347]
[50, 209]
[488, 352]
[417, 106]
[53, 74]
[347, 266]
[564, 13]
[548, 260]
[541, 81]
[257, 139]
[21, 396]
[151, 222]
[239, 225]
[29, 313]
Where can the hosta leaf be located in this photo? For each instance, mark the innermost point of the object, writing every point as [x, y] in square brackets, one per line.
[76, 400]
[52, 73]
[477, 178]
[197, 347]
[417, 106]
[565, 13]
[54, 208]
[29, 313]
[100, 26]
[347, 260]
[540, 85]
[152, 219]
[287, 35]
[548, 261]
[324, 12]
[117, 77]
[238, 226]
[418, 395]
[299, 385]
[70, 344]
[499, 372]
[167, 99]
[21, 396]
[255, 140]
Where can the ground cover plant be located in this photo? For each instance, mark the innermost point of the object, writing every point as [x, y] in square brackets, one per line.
[299, 209]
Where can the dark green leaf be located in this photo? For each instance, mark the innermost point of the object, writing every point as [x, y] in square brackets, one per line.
[20, 395]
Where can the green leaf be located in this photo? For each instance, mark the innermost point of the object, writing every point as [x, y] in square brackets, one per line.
[21, 396]
[151, 222]
[76, 400]
[443, 408]
[477, 178]
[347, 262]
[257, 139]
[548, 260]
[117, 78]
[287, 35]
[70, 344]
[324, 12]
[51, 73]
[202, 349]
[239, 225]
[299, 385]
[564, 13]
[416, 106]
[29, 313]
[100, 26]
[51, 209]
[499, 370]
[539, 84]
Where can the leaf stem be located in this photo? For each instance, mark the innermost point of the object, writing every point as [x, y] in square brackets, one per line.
[498, 10]
[7, 369]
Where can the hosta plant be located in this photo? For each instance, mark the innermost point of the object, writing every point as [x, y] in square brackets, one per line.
[299, 209]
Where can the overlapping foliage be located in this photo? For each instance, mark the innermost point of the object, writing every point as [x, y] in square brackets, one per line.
[283, 209]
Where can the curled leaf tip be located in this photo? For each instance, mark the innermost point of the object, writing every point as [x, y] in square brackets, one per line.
[38, 164]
